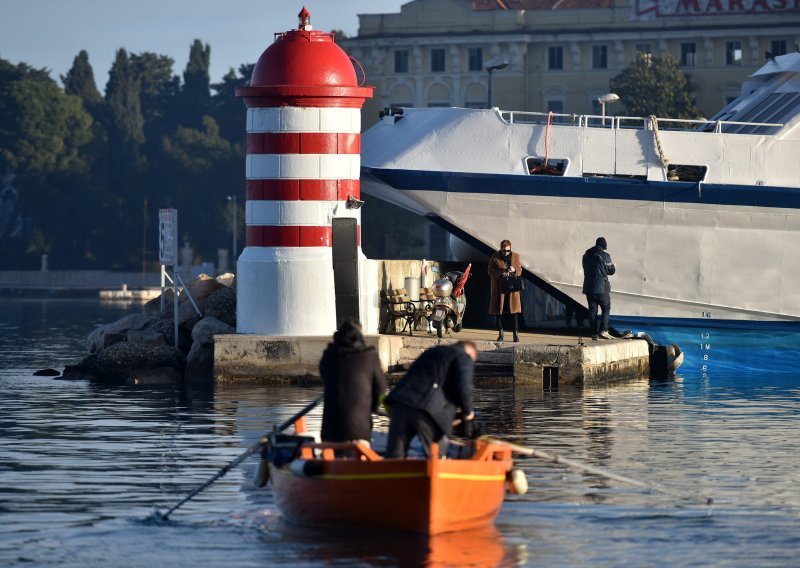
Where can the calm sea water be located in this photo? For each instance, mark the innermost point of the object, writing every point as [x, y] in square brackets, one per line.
[83, 465]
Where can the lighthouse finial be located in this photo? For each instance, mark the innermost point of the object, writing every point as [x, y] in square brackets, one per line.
[305, 19]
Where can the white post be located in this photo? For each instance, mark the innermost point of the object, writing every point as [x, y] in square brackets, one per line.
[175, 301]
[163, 284]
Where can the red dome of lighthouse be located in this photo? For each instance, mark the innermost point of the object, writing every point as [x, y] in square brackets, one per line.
[304, 63]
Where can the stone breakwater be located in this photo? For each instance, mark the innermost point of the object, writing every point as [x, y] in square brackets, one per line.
[140, 348]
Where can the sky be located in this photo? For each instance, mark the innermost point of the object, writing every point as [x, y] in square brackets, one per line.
[50, 33]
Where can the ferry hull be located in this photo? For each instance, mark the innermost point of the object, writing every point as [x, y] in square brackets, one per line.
[684, 251]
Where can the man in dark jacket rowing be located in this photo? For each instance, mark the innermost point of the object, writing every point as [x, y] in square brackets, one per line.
[424, 403]
[597, 267]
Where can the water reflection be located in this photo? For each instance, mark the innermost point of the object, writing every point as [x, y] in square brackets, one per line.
[84, 464]
[483, 547]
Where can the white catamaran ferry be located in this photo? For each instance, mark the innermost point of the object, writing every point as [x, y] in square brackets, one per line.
[702, 222]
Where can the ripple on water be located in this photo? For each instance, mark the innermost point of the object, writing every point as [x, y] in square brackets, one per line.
[84, 466]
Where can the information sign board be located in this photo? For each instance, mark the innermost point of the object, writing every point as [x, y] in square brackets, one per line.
[168, 237]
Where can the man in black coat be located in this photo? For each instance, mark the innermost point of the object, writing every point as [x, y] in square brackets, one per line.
[424, 403]
[597, 267]
[354, 385]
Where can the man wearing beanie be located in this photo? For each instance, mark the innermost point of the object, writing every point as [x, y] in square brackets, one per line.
[597, 267]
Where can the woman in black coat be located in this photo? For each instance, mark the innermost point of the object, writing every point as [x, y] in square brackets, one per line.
[354, 385]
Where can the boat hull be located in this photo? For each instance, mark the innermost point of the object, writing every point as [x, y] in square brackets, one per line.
[683, 252]
[413, 495]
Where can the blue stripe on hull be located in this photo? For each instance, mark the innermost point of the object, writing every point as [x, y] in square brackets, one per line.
[589, 188]
[622, 322]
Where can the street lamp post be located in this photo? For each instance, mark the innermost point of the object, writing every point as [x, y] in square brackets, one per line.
[494, 65]
[605, 99]
[232, 199]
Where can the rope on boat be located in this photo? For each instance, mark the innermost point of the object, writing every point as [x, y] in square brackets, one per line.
[662, 157]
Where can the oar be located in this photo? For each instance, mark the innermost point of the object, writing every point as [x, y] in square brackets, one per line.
[250, 451]
[555, 458]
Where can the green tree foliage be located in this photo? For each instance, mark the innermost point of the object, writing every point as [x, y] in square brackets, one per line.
[79, 81]
[196, 93]
[203, 168]
[227, 109]
[42, 129]
[125, 120]
[44, 133]
[85, 163]
[656, 85]
[158, 86]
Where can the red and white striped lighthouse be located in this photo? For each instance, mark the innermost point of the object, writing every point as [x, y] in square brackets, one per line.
[303, 163]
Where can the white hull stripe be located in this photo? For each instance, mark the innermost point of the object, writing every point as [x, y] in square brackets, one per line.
[309, 213]
[303, 166]
[296, 119]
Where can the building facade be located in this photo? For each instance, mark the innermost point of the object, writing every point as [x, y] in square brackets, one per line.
[561, 54]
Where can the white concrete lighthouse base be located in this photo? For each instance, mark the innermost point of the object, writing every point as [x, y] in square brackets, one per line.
[285, 291]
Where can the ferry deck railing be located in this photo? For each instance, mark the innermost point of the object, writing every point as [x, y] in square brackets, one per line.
[622, 122]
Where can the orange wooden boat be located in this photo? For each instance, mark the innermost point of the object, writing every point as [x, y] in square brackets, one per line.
[350, 485]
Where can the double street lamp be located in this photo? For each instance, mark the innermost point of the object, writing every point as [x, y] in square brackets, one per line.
[494, 65]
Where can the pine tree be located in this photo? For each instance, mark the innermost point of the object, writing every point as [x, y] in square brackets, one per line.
[124, 102]
[159, 89]
[79, 81]
[656, 85]
[196, 93]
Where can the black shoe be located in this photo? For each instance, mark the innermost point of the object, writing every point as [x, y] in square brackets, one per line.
[516, 337]
[500, 337]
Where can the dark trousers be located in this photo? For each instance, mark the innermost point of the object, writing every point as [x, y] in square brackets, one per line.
[599, 324]
[407, 422]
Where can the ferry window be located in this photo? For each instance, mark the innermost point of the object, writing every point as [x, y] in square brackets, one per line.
[555, 105]
[777, 47]
[688, 53]
[437, 60]
[599, 57]
[401, 61]
[475, 59]
[733, 53]
[555, 57]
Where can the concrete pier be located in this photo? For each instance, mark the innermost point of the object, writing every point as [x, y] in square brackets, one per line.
[544, 360]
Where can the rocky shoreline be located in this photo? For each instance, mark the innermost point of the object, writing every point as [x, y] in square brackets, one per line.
[140, 348]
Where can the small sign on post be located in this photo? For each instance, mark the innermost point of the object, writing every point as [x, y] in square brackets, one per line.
[168, 237]
[168, 256]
